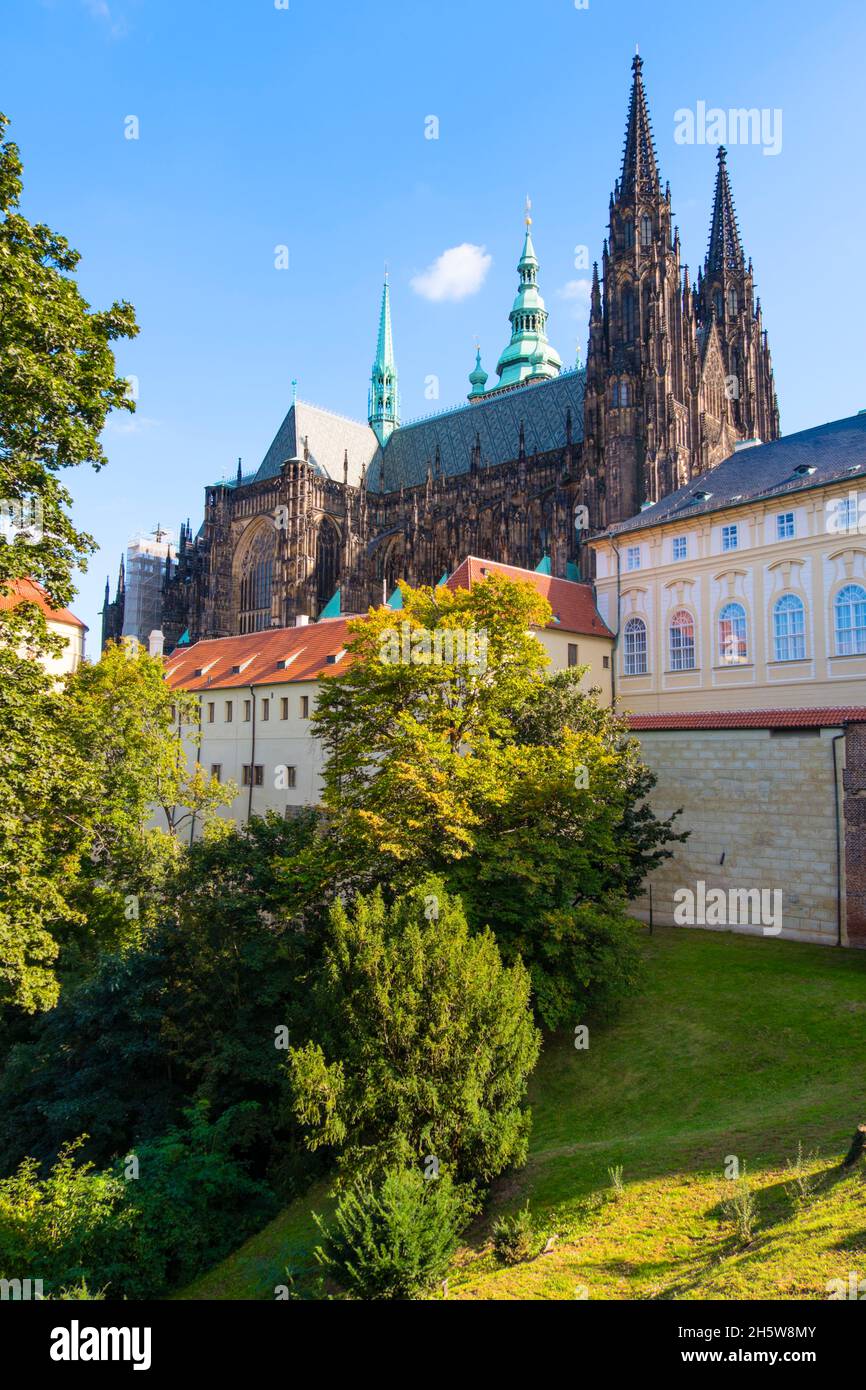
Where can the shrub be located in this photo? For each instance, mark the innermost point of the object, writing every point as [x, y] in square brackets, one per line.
[192, 1203]
[393, 1239]
[513, 1237]
[427, 1042]
[741, 1211]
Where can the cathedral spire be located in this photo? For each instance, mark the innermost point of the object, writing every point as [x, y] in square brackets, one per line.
[384, 416]
[725, 250]
[529, 355]
[640, 175]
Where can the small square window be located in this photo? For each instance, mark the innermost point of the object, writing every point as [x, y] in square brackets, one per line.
[260, 774]
[730, 538]
[305, 706]
[572, 653]
[681, 547]
[246, 774]
[291, 773]
[266, 709]
[248, 710]
[284, 707]
[605, 661]
[228, 711]
[632, 557]
[216, 770]
[211, 712]
[785, 526]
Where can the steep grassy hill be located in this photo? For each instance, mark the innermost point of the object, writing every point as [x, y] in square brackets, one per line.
[739, 1047]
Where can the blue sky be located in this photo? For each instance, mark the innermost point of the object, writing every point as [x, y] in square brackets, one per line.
[262, 126]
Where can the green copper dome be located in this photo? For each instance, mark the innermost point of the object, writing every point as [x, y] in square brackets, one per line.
[478, 378]
[529, 356]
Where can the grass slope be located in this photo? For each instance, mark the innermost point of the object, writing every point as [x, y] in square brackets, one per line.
[738, 1046]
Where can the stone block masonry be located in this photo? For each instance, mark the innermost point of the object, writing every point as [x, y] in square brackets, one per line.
[768, 809]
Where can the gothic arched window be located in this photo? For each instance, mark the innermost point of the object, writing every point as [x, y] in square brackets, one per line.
[682, 635]
[733, 647]
[327, 561]
[646, 230]
[628, 227]
[850, 620]
[256, 581]
[628, 314]
[635, 647]
[733, 302]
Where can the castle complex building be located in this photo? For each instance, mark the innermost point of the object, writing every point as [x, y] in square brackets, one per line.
[339, 510]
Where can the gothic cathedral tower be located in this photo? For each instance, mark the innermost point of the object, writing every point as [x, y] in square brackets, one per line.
[725, 295]
[663, 397]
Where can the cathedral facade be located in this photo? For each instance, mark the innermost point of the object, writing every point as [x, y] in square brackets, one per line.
[340, 510]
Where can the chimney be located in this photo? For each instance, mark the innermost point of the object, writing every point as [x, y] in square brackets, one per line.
[302, 619]
[155, 642]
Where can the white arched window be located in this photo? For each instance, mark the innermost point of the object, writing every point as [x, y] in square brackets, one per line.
[635, 647]
[789, 628]
[682, 635]
[850, 615]
[733, 646]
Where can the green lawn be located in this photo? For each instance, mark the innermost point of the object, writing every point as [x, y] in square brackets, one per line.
[738, 1046]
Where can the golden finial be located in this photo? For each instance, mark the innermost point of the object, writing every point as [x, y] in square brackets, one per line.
[528, 210]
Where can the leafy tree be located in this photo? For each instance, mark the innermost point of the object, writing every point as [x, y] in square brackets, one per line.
[519, 789]
[58, 383]
[80, 770]
[426, 1043]
[202, 1007]
[393, 1239]
[42, 834]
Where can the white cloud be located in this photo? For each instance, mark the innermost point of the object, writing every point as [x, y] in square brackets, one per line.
[457, 273]
[100, 10]
[578, 293]
[135, 424]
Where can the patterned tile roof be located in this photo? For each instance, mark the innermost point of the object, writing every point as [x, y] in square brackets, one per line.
[541, 408]
[834, 452]
[328, 437]
[826, 717]
[572, 603]
[209, 665]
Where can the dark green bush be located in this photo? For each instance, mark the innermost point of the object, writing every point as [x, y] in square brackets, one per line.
[513, 1237]
[393, 1239]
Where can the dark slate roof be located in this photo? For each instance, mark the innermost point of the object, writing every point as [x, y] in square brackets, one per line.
[328, 437]
[836, 451]
[542, 408]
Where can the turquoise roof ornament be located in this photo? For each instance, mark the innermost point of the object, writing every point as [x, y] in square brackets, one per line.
[544, 565]
[332, 608]
[384, 412]
[478, 377]
[396, 599]
[529, 356]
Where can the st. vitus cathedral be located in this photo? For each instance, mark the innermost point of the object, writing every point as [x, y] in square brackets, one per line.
[676, 374]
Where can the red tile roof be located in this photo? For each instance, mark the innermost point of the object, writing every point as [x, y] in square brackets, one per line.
[258, 654]
[28, 591]
[827, 717]
[572, 602]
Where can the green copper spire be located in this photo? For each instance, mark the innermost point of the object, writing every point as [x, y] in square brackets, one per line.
[478, 378]
[529, 356]
[384, 416]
